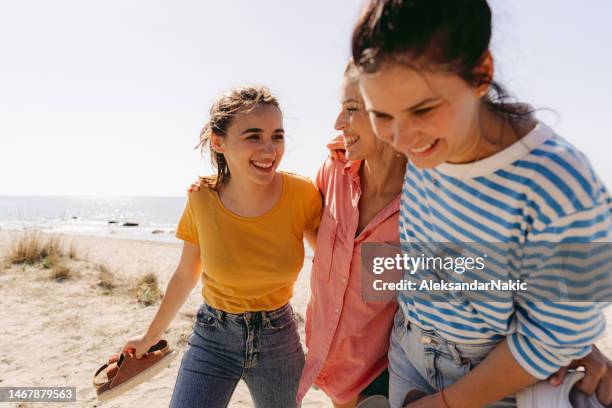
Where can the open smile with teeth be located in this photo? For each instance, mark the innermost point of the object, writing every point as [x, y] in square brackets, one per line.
[262, 165]
[350, 140]
[425, 148]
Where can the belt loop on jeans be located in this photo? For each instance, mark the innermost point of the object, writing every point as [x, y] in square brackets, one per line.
[248, 317]
[459, 359]
[264, 316]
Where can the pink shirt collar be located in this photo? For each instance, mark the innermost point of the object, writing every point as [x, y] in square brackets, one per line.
[352, 168]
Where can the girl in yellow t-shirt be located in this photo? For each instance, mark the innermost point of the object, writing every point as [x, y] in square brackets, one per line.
[243, 236]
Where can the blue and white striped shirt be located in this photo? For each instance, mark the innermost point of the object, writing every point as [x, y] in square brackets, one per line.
[540, 189]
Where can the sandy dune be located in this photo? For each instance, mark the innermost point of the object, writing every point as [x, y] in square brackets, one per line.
[58, 334]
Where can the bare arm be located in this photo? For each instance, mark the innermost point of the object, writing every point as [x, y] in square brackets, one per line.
[181, 284]
[597, 379]
[484, 384]
[598, 375]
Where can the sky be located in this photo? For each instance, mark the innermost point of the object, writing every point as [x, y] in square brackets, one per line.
[108, 98]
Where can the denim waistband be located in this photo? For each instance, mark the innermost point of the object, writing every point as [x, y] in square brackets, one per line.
[459, 352]
[259, 316]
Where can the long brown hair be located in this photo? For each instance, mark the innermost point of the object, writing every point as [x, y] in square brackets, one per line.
[222, 112]
[448, 34]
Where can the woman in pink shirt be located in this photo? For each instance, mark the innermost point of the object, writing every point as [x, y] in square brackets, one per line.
[348, 338]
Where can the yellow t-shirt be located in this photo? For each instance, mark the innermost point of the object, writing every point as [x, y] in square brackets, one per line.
[251, 263]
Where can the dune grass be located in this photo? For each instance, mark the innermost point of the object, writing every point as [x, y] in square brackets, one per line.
[73, 253]
[31, 249]
[50, 253]
[106, 279]
[146, 290]
[61, 273]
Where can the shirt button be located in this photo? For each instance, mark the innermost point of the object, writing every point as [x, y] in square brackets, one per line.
[343, 280]
[337, 310]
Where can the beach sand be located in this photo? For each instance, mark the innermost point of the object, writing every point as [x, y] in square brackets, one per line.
[58, 334]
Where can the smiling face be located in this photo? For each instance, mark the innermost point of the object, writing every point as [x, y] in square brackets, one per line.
[353, 122]
[254, 144]
[431, 117]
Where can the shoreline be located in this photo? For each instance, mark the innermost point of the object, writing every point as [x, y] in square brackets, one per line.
[89, 236]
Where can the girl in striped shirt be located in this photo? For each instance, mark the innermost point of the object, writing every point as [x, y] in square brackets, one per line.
[480, 171]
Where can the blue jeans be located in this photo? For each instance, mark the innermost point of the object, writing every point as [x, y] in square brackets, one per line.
[422, 360]
[261, 348]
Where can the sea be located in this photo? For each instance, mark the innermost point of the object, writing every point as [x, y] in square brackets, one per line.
[140, 218]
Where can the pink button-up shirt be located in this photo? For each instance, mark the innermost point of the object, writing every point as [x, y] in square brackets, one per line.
[347, 338]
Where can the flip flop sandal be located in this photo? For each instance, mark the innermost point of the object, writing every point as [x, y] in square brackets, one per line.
[124, 371]
[375, 401]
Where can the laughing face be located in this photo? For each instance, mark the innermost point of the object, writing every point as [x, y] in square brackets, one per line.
[254, 144]
[431, 117]
[352, 121]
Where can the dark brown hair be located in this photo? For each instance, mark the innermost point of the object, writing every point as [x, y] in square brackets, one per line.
[222, 112]
[452, 35]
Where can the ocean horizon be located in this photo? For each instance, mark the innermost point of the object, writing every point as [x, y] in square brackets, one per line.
[142, 218]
